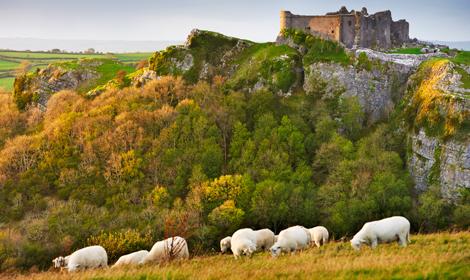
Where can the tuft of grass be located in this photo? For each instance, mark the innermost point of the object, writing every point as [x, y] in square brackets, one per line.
[462, 57]
[429, 256]
[406, 51]
[465, 77]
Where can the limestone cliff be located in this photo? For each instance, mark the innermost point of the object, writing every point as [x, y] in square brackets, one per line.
[437, 113]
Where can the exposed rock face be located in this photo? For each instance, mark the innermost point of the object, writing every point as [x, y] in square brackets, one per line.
[145, 77]
[56, 78]
[436, 159]
[377, 90]
[406, 61]
[445, 163]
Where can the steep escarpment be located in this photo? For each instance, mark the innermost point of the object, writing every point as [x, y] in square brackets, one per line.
[437, 110]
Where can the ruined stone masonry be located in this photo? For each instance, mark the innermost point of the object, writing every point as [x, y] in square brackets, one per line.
[352, 29]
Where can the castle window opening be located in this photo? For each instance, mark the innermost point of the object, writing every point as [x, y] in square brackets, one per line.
[349, 23]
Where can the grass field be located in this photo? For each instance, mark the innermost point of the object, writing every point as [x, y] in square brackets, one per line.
[10, 60]
[433, 256]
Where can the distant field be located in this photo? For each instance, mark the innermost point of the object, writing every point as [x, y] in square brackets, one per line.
[8, 65]
[432, 256]
[7, 83]
[10, 60]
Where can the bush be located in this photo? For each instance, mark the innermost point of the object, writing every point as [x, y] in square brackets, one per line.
[117, 244]
[226, 218]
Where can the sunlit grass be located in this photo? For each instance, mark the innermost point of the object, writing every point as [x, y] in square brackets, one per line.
[433, 256]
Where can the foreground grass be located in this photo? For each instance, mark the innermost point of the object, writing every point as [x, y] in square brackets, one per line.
[433, 256]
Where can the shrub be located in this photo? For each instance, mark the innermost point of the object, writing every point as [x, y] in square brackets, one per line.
[226, 218]
[121, 243]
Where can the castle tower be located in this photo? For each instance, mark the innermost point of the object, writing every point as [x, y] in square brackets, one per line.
[286, 20]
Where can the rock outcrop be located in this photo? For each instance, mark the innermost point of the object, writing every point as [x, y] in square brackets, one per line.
[438, 112]
[378, 88]
[84, 75]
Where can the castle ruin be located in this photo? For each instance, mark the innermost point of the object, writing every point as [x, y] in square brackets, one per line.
[352, 29]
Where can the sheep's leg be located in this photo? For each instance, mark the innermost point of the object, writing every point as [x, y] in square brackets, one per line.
[373, 243]
[402, 240]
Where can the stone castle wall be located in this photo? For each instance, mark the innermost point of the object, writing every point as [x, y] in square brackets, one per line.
[353, 29]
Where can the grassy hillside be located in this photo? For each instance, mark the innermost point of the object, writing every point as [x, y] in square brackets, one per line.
[10, 61]
[433, 256]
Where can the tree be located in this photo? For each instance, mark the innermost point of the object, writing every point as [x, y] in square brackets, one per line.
[89, 51]
[226, 218]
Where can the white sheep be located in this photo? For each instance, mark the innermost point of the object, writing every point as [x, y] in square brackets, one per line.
[132, 258]
[243, 242]
[387, 230]
[290, 240]
[170, 248]
[225, 244]
[88, 257]
[319, 235]
[264, 239]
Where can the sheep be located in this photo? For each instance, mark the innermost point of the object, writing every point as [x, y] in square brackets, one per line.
[276, 237]
[319, 235]
[225, 244]
[243, 242]
[88, 257]
[264, 239]
[168, 249]
[290, 240]
[132, 258]
[387, 230]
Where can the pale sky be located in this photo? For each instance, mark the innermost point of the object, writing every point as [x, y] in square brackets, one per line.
[257, 20]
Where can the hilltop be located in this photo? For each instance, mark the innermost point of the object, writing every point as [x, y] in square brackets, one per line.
[222, 133]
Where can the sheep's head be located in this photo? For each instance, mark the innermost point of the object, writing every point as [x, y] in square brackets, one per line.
[249, 250]
[59, 262]
[225, 244]
[275, 250]
[356, 244]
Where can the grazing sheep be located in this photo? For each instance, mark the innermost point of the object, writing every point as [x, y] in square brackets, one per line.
[264, 239]
[132, 258]
[319, 235]
[290, 240]
[88, 257]
[275, 238]
[225, 244]
[387, 230]
[243, 242]
[170, 248]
